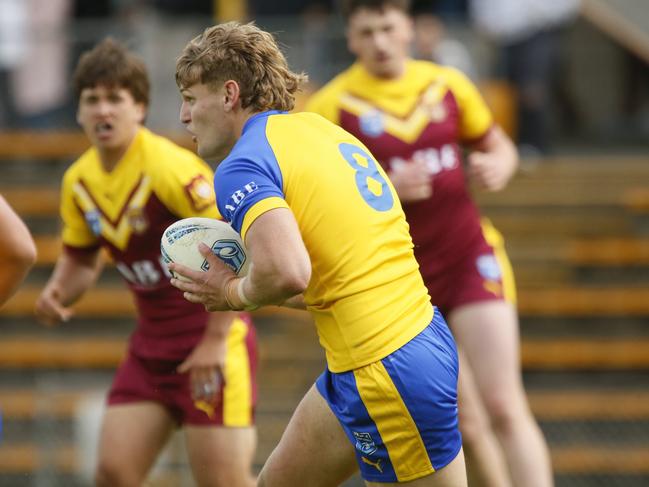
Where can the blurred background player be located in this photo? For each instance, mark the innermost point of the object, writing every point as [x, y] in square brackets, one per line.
[528, 35]
[325, 231]
[415, 117]
[121, 195]
[17, 251]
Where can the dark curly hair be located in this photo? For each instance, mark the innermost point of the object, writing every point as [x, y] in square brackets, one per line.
[111, 64]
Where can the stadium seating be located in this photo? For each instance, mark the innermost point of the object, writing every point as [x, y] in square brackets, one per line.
[574, 229]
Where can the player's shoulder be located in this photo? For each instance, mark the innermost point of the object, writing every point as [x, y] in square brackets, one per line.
[86, 164]
[162, 156]
[423, 69]
[449, 75]
[330, 92]
[162, 150]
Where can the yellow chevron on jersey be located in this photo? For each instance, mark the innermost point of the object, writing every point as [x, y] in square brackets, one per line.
[117, 230]
[96, 204]
[408, 104]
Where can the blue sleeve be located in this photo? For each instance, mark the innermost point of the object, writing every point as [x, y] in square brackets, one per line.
[240, 183]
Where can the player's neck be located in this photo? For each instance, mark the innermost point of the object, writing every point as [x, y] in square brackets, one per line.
[395, 72]
[110, 156]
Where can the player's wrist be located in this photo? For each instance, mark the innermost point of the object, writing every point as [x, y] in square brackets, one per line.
[249, 305]
[236, 297]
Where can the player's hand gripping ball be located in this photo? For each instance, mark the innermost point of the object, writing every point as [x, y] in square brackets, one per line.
[180, 241]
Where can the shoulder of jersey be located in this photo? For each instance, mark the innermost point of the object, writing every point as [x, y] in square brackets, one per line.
[167, 147]
[330, 90]
[81, 164]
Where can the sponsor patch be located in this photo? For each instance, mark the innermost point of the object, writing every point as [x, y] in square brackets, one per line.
[200, 192]
[364, 443]
[93, 219]
[488, 267]
[371, 123]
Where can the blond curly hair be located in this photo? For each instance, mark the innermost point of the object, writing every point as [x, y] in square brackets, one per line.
[246, 54]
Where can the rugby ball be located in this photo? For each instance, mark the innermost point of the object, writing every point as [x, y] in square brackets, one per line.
[179, 243]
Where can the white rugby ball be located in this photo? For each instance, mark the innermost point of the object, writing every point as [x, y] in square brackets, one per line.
[179, 243]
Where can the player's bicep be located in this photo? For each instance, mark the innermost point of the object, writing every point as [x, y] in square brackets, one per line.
[275, 244]
[475, 117]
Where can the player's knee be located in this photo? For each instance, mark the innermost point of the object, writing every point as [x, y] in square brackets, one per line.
[472, 427]
[110, 474]
[504, 413]
[222, 475]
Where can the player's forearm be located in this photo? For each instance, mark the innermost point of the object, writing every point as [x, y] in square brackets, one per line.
[504, 151]
[17, 250]
[296, 302]
[218, 325]
[11, 275]
[73, 276]
[272, 287]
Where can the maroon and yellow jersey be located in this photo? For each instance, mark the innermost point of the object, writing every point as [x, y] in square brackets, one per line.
[125, 211]
[423, 115]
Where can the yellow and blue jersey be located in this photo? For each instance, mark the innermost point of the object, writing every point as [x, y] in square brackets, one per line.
[366, 293]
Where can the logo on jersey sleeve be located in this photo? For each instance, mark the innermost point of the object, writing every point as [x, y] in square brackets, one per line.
[488, 267]
[200, 192]
[236, 199]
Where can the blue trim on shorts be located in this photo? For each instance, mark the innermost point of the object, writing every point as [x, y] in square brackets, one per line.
[431, 399]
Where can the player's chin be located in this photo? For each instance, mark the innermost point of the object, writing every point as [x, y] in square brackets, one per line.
[204, 148]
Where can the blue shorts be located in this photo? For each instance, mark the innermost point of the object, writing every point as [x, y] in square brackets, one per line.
[400, 413]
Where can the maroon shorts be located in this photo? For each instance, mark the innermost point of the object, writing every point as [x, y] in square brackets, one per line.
[483, 274]
[142, 379]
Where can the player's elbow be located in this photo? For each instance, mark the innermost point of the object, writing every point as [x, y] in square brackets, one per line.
[294, 281]
[22, 256]
[28, 254]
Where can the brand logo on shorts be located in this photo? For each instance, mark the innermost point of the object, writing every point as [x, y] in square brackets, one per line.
[376, 464]
[364, 443]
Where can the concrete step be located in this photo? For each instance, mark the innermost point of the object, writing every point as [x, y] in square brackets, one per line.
[583, 353]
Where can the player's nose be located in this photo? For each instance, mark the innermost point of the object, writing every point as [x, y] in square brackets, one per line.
[185, 115]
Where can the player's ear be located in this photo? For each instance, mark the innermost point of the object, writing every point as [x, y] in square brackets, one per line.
[231, 94]
[141, 112]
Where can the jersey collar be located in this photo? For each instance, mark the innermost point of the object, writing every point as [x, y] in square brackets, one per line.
[258, 116]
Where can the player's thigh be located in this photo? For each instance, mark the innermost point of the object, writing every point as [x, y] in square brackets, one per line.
[313, 451]
[452, 475]
[221, 456]
[132, 436]
[488, 334]
[473, 417]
